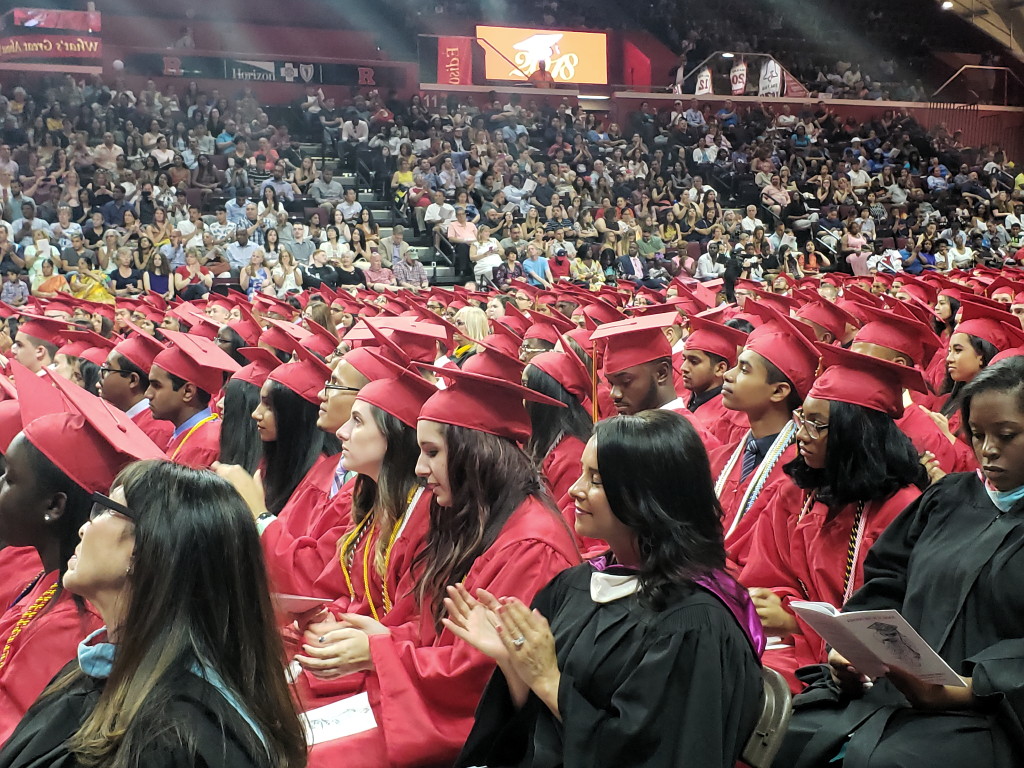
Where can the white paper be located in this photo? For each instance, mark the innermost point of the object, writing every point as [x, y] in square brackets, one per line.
[338, 720]
[874, 640]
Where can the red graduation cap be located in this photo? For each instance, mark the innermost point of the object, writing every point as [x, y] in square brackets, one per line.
[900, 333]
[784, 304]
[305, 377]
[598, 312]
[996, 326]
[482, 403]
[246, 326]
[863, 380]
[80, 340]
[195, 359]
[504, 339]
[714, 338]
[634, 341]
[44, 329]
[548, 327]
[267, 304]
[402, 394]
[140, 349]
[262, 362]
[366, 360]
[85, 437]
[829, 316]
[789, 351]
[10, 422]
[569, 371]
[493, 361]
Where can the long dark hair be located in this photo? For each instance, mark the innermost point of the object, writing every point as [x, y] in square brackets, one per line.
[236, 342]
[239, 437]
[986, 350]
[1005, 376]
[489, 477]
[950, 324]
[549, 422]
[657, 478]
[868, 458]
[298, 445]
[388, 496]
[198, 595]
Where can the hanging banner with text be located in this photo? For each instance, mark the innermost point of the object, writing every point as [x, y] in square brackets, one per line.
[770, 83]
[738, 78]
[40, 51]
[515, 53]
[455, 60]
[379, 74]
[704, 86]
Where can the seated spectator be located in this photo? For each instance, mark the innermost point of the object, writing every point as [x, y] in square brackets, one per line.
[50, 282]
[192, 280]
[378, 277]
[15, 291]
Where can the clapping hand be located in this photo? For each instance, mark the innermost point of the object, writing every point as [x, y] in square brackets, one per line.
[475, 620]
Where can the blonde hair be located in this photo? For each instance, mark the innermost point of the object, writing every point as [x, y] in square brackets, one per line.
[476, 324]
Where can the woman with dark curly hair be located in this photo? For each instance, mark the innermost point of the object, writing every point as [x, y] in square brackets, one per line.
[854, 473]
[647, 655]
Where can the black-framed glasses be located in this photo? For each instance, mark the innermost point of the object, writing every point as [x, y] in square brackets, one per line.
[339, 388]
[105, 369]
[813, 428]
[102, 504]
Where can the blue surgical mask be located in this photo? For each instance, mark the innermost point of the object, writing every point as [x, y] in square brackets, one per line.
[1003, 500]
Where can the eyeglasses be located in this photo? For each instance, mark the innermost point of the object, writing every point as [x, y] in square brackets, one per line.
[813, 428]
[103, 505]
[105, 369]
[339, 388]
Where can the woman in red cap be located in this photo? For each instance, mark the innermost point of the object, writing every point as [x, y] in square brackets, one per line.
[855, 472]
[490, 527]
[72, 445]
[286, 420]
[951, 564]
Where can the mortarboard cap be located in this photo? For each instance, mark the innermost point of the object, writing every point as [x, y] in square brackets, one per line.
[863, 380]
[195, 359]
[402, 394]
[715, 339]
[634, 341]
[789, 351]
[305, 377]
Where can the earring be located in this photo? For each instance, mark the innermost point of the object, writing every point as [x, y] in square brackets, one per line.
[46, 518]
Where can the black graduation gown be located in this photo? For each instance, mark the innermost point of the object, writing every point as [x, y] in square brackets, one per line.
[953, 565]
[219, 737]
[680, 687]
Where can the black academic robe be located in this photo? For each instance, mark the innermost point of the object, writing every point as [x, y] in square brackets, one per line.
[219, 736]
[953, 565]
[679, 687]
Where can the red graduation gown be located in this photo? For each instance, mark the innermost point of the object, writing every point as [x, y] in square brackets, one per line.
[197, 450]
[726, 425]
[711, 442]
[561, 468]
[158, 430]
[398, 578]
[805, 559]
[926, 436]
[18, 567]
[303, 539]
[426, 685]
[737, 543]
[44, 646]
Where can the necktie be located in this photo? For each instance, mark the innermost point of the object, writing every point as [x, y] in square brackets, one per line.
[749, 459]
[339, 479]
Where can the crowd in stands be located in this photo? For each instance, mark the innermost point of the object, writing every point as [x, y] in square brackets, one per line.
[557, 514]
[212, 192]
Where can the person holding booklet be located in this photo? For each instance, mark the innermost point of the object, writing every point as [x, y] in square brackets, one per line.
[953, 566]
[854, 473]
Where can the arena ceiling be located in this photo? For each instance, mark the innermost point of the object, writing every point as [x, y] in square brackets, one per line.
[1002, 20]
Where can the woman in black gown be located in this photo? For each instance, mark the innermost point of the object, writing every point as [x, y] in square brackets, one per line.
[953, 565]
[645, 656]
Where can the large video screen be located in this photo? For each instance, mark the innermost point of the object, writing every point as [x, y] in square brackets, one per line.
[570, 57]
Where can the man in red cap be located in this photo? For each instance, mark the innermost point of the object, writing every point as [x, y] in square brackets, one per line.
[897, 339]
[769, 381]
[37, 341]
[182, 381]
[710, 350]
[124, 380]
[638, 368]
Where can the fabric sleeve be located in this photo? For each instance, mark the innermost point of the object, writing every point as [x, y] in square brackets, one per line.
[426, 696]
[769, 563]
[690, 701]
[998, 677]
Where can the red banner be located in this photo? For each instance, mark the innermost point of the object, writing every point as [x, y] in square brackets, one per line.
[794, 88]
[46, 18]
[47, 46]
[455, 60]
